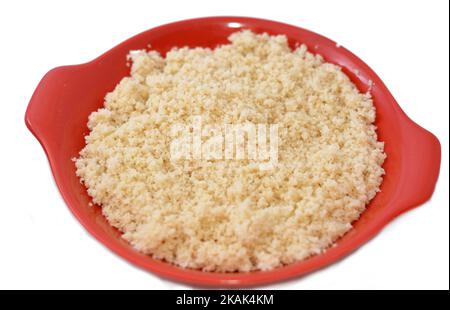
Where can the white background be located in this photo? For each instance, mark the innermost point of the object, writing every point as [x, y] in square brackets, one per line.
[42, 246]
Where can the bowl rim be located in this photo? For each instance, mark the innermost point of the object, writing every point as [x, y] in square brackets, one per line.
[250, 279]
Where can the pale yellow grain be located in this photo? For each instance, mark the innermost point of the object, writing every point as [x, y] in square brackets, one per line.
[226, 215]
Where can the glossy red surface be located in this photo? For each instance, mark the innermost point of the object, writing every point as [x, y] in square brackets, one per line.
[59, 108]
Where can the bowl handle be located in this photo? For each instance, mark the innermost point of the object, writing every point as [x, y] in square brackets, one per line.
[421, 164]
[42, 112]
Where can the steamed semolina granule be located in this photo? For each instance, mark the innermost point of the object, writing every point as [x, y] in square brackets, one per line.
[228, 215]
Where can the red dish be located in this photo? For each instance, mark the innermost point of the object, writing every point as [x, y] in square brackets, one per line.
[58, 111]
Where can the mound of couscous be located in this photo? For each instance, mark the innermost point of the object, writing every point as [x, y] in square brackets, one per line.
[227, 214]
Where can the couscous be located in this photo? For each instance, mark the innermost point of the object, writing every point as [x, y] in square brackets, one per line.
[227, 214]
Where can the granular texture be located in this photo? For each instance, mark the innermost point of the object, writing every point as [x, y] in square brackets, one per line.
[228, 215]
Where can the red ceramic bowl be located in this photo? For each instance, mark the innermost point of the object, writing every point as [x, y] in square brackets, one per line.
[59, 108]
